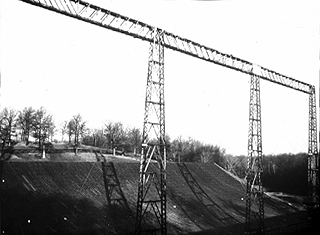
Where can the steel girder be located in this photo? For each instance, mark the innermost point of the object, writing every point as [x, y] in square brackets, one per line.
[104, 18]
[254, 222]
[151, 203]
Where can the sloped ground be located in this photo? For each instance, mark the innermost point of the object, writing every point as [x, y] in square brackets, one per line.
[72, 198]
[63, 152]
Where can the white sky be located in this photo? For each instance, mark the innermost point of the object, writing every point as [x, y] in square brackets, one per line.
[73, 67]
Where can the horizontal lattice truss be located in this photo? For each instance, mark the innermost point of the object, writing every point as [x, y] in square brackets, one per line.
[96, 15]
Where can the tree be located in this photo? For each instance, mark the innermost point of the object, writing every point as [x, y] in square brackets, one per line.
[90, 137]
[114, 134]
[191, 150]
[42, 125]
[70, 128]
[133, 139]
[213, 153]
[77, 127]
[95, 137]
[7, 125]
[99, 140]
[177, 149]
[286, 173]
[52, 130]
[186, 150]
[236, 165]
[64, 129]
[25, 121]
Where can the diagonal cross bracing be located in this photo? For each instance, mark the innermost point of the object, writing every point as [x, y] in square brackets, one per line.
[104, 18]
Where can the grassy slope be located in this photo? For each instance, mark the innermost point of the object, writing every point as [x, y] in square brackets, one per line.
[70, 198]
[54, 153]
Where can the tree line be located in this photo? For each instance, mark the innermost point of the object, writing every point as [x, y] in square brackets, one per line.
[39, 124]
[281, 173]
[116, 135]
[28, 122]
[36, 123]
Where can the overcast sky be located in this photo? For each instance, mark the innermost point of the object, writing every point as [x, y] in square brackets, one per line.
[71, 67]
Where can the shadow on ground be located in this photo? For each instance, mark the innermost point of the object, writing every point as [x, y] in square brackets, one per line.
[100, 198]
[26, 213]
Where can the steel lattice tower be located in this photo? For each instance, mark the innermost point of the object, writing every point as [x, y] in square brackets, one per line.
[313, 157]
[254, 193]
[151, 203]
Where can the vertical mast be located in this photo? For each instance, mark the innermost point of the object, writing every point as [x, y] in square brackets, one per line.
[151, 203]
[313, 157]
[254, 222]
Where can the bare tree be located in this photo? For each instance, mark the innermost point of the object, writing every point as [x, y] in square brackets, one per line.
[114, 134]
[52, 130]
[177, 148]
[76, 127]
[98, 138]
[133, 137]
[191, 150]
[79, 128]
[64, 129]
[7, 125]
[95, 137]
[25, 121]
[42, 125]
[70, 128]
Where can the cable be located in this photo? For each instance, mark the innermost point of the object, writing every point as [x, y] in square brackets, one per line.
[87, 175]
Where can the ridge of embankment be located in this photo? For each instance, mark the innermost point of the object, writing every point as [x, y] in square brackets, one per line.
[100, 198]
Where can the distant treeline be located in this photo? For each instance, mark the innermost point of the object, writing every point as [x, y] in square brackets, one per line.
[287, 173]
[115, 135]
[281, 173]
[38, 126]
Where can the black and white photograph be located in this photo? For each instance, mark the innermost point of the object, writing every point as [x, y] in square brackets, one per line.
[159, 117]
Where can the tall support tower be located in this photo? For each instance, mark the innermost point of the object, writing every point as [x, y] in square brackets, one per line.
[151, 203]
[254, 223]
[313, 157]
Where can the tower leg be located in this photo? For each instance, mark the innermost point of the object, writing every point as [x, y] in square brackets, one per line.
[313, 157]
[151, 203]
[254, 222]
